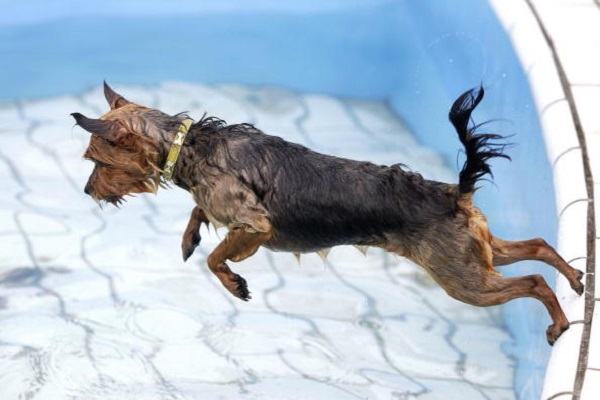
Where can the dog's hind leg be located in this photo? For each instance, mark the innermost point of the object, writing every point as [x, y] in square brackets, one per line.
[507, 252]
[238, 245]
[501, 290]
[483, 288]
[191, 236]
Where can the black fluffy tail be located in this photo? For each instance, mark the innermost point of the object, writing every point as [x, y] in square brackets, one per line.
[479, 148]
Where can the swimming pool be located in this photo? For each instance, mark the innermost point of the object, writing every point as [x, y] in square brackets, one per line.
[412, 56]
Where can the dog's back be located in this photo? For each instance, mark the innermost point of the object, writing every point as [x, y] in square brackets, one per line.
[317, 201]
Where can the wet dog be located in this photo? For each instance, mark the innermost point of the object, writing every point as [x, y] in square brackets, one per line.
[283, 196]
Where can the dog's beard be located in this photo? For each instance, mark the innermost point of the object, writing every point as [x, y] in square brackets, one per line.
[114, 200]
[149, 186]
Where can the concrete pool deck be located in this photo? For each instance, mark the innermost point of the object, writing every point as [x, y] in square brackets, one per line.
[558, 42]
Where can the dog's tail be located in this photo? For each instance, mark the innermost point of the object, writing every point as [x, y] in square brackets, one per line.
[479, 148]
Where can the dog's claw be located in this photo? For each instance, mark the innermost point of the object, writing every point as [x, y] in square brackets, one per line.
[189, 244]
[187, 252]
[554, 331]
[577, 285]
[240, 288]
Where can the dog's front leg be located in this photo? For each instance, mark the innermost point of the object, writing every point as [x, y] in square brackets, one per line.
[191, 236]
[239, 244]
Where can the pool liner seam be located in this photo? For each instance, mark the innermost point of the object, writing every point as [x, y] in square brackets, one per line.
[550, 105]
[589, 201]
[576, 259]
[565, 152]
[560, 394]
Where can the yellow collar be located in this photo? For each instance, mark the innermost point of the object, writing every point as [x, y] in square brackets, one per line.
[176, 148]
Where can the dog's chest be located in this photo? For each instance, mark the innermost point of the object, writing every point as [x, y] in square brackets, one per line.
[227, 202]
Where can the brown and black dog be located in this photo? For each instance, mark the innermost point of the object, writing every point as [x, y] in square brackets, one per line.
[283, 196]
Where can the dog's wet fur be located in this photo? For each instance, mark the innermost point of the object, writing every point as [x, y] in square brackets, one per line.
[284, 196]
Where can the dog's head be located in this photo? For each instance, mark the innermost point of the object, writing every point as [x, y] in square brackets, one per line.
[128, 146]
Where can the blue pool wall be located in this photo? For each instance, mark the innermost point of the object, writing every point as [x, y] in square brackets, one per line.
[417, 55]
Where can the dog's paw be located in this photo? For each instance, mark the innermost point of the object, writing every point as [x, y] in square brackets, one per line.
[191, 240]
[576, 284]
[554, 331]
[239, 288]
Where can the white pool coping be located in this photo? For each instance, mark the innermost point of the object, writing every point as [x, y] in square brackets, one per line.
[558, 43]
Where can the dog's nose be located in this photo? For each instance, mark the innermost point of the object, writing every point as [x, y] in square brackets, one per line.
[86, 189]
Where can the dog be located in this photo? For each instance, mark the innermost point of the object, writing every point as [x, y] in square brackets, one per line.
[283, 196]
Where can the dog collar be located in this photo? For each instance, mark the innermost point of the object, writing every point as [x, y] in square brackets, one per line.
[176, 148]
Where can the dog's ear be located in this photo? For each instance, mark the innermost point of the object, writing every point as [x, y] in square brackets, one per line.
[107, 129]
[114, 99]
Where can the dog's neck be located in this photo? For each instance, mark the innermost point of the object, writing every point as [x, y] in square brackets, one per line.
[175, 149]
[183, 168]
[201, 144]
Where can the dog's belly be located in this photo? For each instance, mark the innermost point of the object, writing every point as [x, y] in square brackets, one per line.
[296, 242]
[311, 228]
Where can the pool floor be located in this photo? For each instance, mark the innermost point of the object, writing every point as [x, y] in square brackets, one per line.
[97, 303]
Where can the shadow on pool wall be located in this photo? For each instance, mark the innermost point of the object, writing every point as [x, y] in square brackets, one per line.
[418, 54]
